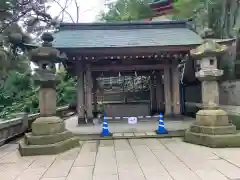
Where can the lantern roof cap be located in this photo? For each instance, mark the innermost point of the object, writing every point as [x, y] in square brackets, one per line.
[47, 52]
[208, 48]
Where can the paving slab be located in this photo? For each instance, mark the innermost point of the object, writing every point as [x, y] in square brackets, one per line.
[62, 178]
[229, 170]
[85, 173]
[106, 177]
[125, 159]
[105, 160]
[32, 174]
[128, 166]
[211, 174]
[43, 162]
[87, 155]
[150, 165]
[7, 148]
[106, 143]
[59, 169]
[121, 144]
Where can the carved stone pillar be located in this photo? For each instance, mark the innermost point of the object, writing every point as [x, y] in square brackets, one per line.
[167, 92]
[89, 86]
[212, 127]
[47, 101]
[80, 98]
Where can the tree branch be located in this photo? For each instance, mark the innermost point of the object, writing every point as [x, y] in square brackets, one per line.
[56, 1]
[77, 8]
[6, 25]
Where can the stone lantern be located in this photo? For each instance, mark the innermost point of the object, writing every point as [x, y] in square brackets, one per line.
[48, 135]
[212, 127]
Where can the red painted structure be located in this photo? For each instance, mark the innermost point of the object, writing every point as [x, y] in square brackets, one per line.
[161, 7]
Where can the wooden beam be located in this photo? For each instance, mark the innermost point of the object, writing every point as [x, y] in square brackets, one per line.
[119, 68]
[127, 51]
[122, 73]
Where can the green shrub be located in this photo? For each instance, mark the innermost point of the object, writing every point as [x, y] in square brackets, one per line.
[235, 119]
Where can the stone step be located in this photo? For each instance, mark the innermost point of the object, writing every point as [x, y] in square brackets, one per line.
[214, 130]
[32, 150]
[31, 139]
[136, 135]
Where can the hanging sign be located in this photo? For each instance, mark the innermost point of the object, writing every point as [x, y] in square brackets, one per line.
[132, 120]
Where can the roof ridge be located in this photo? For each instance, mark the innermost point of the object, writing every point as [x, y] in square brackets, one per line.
[123, 25]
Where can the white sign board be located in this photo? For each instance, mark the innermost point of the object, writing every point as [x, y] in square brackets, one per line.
[132, 120]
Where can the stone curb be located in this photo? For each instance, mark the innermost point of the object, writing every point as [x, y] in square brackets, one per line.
[171, 134]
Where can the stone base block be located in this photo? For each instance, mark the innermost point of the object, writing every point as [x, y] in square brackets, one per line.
[30, 139]
[81, 120]
[32, 150]
[214, 130]
[89, 120]
[214, 141]
[212, 117]
[48, 137]
[47, 126]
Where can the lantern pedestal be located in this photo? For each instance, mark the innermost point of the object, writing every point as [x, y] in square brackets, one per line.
[212, 127]
[48, 136]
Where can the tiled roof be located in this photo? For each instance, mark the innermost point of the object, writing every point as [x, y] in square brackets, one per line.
[125, 34]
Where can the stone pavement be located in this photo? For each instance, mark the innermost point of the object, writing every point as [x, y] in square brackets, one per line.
[134, 159]
[124, 127]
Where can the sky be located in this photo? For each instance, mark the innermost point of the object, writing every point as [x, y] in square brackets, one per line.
[89, 9]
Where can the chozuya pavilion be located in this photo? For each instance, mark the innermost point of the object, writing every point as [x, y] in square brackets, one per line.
[139, 61]
[126, 68]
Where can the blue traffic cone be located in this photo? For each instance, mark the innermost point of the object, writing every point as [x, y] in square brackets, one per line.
[161, 128]
[105, 131]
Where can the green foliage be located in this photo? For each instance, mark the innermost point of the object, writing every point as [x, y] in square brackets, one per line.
[20, 94]
[9, 63]
[186, 8]
[221, 17]
[66, 89]
[18, 20]
[127, 10]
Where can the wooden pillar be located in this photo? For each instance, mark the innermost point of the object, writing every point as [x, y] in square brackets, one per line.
[159, 92]
[167, 91]
[176, 90]
[94, 94]
[151, 93]
[89, 86]
[80, 98]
